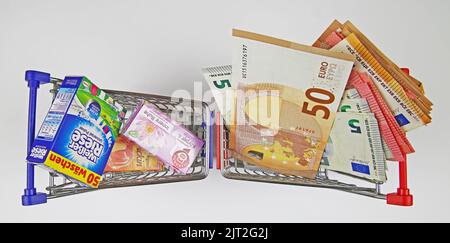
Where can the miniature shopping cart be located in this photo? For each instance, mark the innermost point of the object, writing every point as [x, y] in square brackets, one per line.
[196, 117]
[231, 168]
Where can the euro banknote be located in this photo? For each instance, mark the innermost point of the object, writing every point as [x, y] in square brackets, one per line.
[271, 131]
[355, 147]
[351, 94]
[309, 83]
[352, 102]
[412, 86]
[393, 135]
[402, 93]
[219, 81]
[354, 105]
[222, 87]
[337, 32]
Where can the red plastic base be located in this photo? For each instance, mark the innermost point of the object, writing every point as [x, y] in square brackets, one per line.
[401, 198]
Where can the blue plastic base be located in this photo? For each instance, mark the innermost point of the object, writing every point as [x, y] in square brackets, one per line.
[38, 198]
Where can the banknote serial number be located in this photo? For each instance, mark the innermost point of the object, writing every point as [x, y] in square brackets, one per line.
[244, 61]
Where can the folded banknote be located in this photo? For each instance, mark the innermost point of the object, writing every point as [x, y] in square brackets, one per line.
[352, 102]
[287, 101]
[355, 147]
[403, 94]
[219, 81]
[394, 137]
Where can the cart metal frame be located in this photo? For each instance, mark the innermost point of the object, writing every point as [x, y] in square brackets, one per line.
[231, 168]
[195, 115]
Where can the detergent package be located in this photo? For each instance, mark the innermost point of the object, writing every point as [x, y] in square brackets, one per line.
[161, 136]
[79, 132]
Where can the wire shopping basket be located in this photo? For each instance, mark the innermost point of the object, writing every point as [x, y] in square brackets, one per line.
[195, 115]
[236, 169]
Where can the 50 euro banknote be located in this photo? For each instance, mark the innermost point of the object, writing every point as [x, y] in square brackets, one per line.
[288, 99]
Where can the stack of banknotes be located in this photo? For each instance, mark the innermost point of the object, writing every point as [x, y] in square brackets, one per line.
[340, 104]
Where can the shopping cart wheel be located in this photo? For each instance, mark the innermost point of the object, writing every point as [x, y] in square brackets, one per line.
[33, 198]
[401, 198]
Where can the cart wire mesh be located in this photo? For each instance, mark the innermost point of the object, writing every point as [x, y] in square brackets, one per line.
[237, 169]
[194, 115]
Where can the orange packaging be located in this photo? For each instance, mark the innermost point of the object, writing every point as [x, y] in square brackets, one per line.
[127, 156]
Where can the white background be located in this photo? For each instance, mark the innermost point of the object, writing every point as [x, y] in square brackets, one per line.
[159, 46]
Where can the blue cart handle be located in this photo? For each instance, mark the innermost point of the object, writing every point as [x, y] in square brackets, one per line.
[35, 79]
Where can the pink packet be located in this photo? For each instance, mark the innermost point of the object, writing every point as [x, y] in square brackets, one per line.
[155, 132]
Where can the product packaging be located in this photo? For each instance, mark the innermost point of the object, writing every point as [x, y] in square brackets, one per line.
[79, 132]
